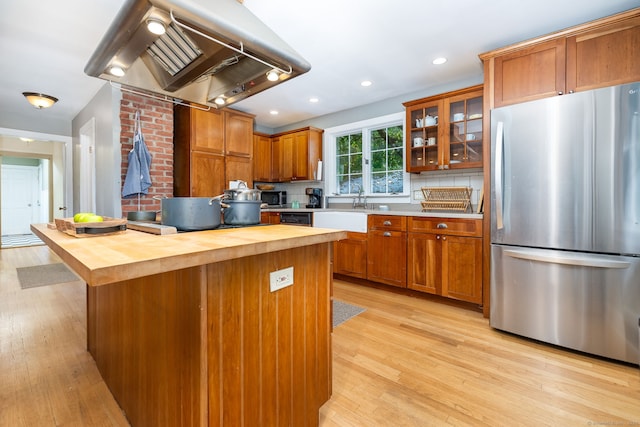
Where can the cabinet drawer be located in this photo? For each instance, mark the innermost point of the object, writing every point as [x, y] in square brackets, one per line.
[387, 222]
[449, 226]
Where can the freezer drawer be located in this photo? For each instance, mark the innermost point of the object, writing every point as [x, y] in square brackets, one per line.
[586, 302]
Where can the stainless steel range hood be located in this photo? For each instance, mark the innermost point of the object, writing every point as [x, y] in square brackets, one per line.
[211, 51]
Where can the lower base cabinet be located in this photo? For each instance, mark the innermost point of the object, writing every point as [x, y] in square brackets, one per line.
[445, 257]
[269, 217]
[387, 250]
[350, 255]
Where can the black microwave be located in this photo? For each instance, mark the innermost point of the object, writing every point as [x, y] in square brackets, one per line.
[274, 198]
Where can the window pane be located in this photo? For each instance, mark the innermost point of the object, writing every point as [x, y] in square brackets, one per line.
[379, 181]
[342, 166]
[395, 159]
[342, 145]
[356, 164]
[379, 139]
[395, 137]
[356, 143]
[395, 182]
[379, 161]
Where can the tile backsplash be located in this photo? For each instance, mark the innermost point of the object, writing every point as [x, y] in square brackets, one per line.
[473, 179]
[468, 178]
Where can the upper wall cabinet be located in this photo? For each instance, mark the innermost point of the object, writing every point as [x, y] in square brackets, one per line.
[445, 131]
[210, 149]
[597, 54]
[288, 156]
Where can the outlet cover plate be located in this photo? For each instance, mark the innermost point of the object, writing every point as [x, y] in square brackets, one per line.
[280, 279]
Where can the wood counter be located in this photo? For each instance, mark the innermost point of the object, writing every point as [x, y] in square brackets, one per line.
[186, 332]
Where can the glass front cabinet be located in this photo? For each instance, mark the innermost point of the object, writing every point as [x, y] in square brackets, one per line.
[445, 131]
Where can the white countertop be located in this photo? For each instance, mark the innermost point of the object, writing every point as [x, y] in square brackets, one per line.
[436, 214]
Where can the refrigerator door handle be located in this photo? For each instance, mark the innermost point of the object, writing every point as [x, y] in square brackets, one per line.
[582, 260]
[498, 173]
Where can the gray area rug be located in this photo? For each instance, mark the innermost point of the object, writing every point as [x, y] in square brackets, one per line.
[42, 275]
[343, 312]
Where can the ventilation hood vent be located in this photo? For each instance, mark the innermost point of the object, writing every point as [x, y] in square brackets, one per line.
[212, 53]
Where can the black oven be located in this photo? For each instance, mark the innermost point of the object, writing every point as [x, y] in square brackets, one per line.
[274, 198]
[297, 218]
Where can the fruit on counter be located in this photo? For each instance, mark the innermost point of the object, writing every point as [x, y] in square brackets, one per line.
[87, 217]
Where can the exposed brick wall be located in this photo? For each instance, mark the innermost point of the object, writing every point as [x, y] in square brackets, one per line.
[157, 128]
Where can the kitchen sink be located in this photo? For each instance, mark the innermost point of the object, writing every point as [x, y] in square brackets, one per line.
[348, 221]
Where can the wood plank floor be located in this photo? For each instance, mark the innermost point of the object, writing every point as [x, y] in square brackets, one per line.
[403, 362]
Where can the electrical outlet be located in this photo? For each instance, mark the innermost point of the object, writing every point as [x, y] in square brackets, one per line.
[280, 279]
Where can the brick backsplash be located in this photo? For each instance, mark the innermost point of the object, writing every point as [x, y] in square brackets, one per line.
[157, 129]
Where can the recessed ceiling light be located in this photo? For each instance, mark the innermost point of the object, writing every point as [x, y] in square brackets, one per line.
[273, 112]
[439, 61]
[366, 83]
[313, 99]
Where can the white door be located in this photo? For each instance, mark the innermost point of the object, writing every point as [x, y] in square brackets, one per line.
[20, 199]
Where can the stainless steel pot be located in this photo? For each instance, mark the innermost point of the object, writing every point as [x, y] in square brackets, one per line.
[191, 213]
[242, 212]
[242, 193]
[141, 216]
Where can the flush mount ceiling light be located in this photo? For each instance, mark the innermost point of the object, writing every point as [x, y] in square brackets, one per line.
[313, 100]
[273, 76]
[439, 61]
[273, 112]
[156, 26]
[40, 100]
[366, 83]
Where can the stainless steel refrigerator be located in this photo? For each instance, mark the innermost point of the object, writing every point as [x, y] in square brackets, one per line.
[565, 221]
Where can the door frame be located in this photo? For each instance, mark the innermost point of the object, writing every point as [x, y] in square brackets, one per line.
[65, 200]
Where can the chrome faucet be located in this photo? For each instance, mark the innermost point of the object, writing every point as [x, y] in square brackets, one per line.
[360, 203]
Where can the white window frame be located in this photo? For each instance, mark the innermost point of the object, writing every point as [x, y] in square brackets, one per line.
[364, 126]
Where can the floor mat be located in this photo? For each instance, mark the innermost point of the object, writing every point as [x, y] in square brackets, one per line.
[42, 275]
[343, 312]
[19, 240]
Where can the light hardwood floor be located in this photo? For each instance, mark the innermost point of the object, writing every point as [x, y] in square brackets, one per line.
[403, 362]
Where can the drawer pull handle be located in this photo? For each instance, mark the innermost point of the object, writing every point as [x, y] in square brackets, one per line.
[387, 234]
[386, 223]
[442, 225]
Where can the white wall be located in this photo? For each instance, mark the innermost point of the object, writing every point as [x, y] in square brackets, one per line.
[105, 108]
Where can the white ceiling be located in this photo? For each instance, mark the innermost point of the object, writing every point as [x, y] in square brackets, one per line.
[46, 44]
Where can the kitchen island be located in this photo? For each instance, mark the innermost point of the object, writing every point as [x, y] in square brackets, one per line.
[186, 331]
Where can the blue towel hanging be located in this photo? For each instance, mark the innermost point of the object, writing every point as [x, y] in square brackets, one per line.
[138, 178]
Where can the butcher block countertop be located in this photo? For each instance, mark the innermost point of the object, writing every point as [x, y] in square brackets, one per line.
[107, 259]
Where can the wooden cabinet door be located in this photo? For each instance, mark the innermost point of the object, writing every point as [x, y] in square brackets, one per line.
[261, 158]
[350, 255]
[462, 268]
[277, 159]
[605, 56]
[300, 156]
[207, 175]
[207, 131]
[286, 162]
[424, 263]
[238, 134]
[387, 257]
[238, 168]
[531, 73]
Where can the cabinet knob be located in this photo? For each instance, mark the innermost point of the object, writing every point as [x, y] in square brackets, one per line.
[387, 234]
[444, 237]
[386, 223]
[438, 237]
